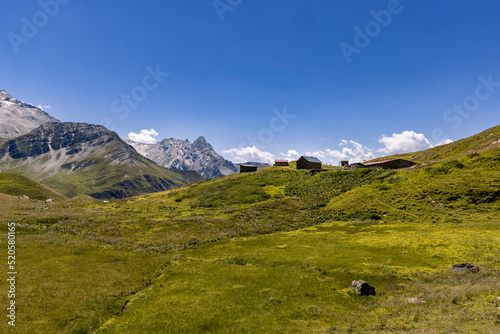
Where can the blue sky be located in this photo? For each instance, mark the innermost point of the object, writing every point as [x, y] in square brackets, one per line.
[338, 79]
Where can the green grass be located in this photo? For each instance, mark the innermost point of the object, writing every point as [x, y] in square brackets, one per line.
[271, 252]
[299, 282]
[18, 185]
[66, 285]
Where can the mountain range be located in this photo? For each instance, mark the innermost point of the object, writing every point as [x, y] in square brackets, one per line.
[77, 158]
[182, 155]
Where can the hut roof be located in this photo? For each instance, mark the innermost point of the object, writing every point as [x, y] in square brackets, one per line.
[311, 159]
[378, 162]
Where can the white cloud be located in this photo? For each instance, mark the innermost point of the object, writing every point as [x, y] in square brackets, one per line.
[443, 142]
[145, 136]
[353, 152]
[246, 154]
[44, 107]
[291, 155]
[407, 141]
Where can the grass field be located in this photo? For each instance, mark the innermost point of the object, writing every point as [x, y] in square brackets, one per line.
[270, 252]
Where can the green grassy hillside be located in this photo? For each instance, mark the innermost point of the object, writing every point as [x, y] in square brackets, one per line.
[101, 179]
[17, 185]
[273, 251]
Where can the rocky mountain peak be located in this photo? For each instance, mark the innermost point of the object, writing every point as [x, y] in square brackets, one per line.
[201, 143]
[182, 155]
[200, 139]
[18, 118]
[4, 95]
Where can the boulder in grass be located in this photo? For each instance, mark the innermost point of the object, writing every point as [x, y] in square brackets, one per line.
[24, 197]
[50, 200]
[465, 267]
[363, 288]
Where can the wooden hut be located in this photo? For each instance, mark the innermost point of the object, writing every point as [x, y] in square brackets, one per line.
[310, 163]
[248, 168]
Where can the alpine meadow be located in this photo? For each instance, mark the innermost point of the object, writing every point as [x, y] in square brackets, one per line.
[273, 251]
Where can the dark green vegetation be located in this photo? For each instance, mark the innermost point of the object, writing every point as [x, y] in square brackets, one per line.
[82, 159]
[272, 252]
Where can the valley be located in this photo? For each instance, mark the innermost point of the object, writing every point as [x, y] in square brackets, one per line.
[272, 251]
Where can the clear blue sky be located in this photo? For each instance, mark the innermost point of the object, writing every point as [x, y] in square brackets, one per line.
[231, 64]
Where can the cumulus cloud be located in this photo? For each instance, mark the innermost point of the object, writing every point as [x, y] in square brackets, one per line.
[407, 141]
[443, 142]
[291, 155]
[245, 154]
[44, 107]
[145, 136]
[353, 152]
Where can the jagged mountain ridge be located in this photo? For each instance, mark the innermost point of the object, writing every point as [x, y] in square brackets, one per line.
[182, 155]
[79, 158]
[18, 118]
[258, 164]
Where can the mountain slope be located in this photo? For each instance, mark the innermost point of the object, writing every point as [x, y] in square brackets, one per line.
[18, 118]
[182, 155]
[79, 158]
[18, 185]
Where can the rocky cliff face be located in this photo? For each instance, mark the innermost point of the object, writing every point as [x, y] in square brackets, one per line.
[182, 155]
[18, 118]
[80, 158]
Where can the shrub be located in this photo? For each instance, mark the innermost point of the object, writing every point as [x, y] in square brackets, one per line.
[453, 164]
[437, 170]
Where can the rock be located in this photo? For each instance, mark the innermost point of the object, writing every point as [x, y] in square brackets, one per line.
[163, 201]
[463, 267]
[363, 288]
[105, 201]
[416, 301]
[50, 200]
[24, 197]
